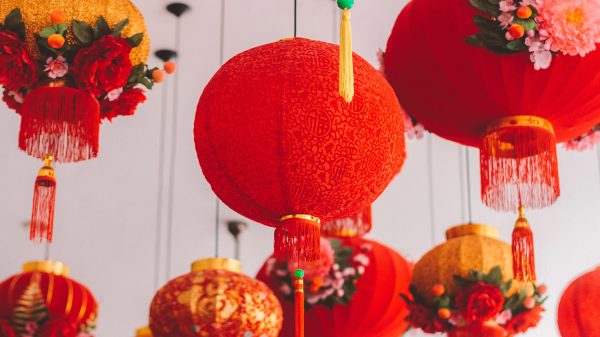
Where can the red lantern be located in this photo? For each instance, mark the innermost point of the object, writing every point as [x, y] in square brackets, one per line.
[578, 311]
[43, 302]
[375, 309]
[352, 226]
[279, 145]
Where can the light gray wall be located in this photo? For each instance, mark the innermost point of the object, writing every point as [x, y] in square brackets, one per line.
[106, 207]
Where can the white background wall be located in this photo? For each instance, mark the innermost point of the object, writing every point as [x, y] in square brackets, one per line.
[106, 208]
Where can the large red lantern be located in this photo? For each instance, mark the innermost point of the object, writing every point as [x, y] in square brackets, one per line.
[374, 309]
[279, 145]
[578, 312]
[43, 302]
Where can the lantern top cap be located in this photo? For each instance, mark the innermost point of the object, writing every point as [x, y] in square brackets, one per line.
[472, 229]
[143, 332]
[217, 263]
[52, 267]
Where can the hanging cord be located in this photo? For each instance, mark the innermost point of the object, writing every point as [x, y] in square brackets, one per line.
[468, 170]
[217, 211]
[295, 18]
[336, 23]
[47, 251]
[461, 179]
[431, 189]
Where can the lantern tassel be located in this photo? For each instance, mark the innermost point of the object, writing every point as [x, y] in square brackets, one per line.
[44, 196]
[523, 250]
[346, 85]
[298, 237]
[299, 303]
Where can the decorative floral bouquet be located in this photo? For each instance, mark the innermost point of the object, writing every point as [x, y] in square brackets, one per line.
[328, 281]
[584, 142]
[544, 28]
[482, 307]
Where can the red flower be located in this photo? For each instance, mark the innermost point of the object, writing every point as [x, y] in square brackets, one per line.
[125, 105]
[6, 330]
[421, 317]
[480, 302]
[13, 99]
[525, 320]
[103, 66]
[17, 69]
[57, 328]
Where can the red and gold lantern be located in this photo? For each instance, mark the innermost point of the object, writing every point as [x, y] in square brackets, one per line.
[215, 299]
[352, 226]
[578, 312]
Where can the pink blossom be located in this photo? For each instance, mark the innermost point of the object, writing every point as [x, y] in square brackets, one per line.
[270, 265]
[503, 317]
[114, 94]
[319, 268]
[572, 27]
[505, 19]
[360, 270]
[585, 142]
[336, 266]
[338, 275]
[414, 131]
[338, 283]
[340, 292]
[362, 259]
[533, 3]
[17, 96]
[56, 68]
[541, 59]
[349, 272]
[31, 327]
[285, 289]
[457, 319]
[507, 6]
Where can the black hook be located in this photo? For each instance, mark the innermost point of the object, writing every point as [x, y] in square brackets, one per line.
[165, 54]
[178, 8]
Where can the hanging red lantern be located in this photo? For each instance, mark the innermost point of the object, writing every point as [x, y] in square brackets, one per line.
[280, 146]
[43, 302]
[578, 312]
[352, 226]
[362, 300]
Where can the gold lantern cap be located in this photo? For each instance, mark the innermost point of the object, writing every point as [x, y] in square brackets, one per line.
[472, 229]
[217, 263]
[143, 332]
[47, 266]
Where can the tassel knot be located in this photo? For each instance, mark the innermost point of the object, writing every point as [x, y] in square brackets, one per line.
[44, 196]
[523, 250]
[346, 71]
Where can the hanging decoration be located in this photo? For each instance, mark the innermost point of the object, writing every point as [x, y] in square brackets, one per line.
[356, 280]
[43, 302]
[65, 67]
[352, 226]
[290, 158]
[346, 72]
[578, 311]
[465, 288]
[215, 299]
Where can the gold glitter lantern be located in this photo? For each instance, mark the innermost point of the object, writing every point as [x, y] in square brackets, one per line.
[215, 299]
[467, 247]
[36, 15]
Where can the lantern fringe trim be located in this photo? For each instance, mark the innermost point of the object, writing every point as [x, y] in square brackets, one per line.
[41, 226]
[60, 121]
[298, 237]
[350, 227]
[346, 62]
[523, 250]
[519, 164]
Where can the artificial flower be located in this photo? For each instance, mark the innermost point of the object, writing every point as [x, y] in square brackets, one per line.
[507, 5]
[6, 330]
[31, 327]
[57, 328]
[319, 268]
[503, 317]
[17, 68]
[13, 100]
[480, 302]
[56, 67]
[125, 105]
[421, 317]
[505, 19]
[585, 142]
[114, 94]
[525, 320]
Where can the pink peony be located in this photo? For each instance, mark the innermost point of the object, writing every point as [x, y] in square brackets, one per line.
[507, 6]
[503, 317]
[320, 268]
[56, 68]
[505, 20]
[571, 27]
[114, 94]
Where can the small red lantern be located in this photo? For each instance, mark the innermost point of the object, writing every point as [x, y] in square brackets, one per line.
[43, 302]
[578, 311]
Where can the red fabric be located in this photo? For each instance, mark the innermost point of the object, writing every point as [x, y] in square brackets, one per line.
[274, 137]
[455, 89]
[578, 311]
[356, 225]
[376, 308]
[67, 301]
[60, 121]
[42, 214]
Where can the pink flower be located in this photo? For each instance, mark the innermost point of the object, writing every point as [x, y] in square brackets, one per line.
[362, 259]
[31, 327]
[533, 3]
[349, 272]
[340, 292]
[507, 6]
[572, 27]
[457, 319]
[505, 19]
[541, 59]
[318, 268]
[360, 270]
[585, 142]
[285, 289]
[16, 96]
[114, 94]
[56, 68]
[503, 317]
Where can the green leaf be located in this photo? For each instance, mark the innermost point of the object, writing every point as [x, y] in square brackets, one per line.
[528, 24]
[43, 46]
[516, 45]
[494, 277]
[116, 31]
[101, 28]
[62, 28]
[474, 40]
[46, 32]
[14, 23]
[486, 7]
[135, 40]
[485, 24]
[147, 83]
[83, 32]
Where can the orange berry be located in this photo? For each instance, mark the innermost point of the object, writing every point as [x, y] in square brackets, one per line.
[529, 302]
[170, 67]
[524, 12]
[444, 313]
[56, 41]
[516, 31]
[158, 76]
[438, 290]
[542, 289]
[58, 17]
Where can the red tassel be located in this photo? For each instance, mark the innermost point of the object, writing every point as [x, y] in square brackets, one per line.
[519, 165]
[44, 196]
[61, 121]
[523, 250]
[299, 304]
[350, 227]
[298, 237]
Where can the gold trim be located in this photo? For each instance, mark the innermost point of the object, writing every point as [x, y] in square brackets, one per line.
[143, 332]
[50, 290]
[84, 304]
[52, 267]
[69, 304]
[47, 170]
[520, 120]
[217, 263]
[472, 229]
[301, 216]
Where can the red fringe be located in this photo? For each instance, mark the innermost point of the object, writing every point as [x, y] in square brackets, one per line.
[60, 121]
[299, 307]
[523, 254]
[42, 214]
[354, 226]
[519, 166]
[298, 239]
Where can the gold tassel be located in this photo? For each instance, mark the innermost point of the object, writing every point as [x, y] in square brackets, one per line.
[522, 250]
[346, 84]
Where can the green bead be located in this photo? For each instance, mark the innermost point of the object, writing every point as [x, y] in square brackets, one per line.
[345, 4]
[299, 273]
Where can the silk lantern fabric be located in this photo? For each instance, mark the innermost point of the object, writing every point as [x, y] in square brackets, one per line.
[578, 311]
[376, 308]
[274, 139]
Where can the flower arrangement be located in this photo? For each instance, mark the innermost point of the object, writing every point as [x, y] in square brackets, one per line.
[328, 281]
[584, 142]
[482, 304]
[544, 28]
[96, 60]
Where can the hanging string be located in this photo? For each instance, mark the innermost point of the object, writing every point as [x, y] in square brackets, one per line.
[461, 179]
[431, 189]
[468, 170]
[295, 18]
[47, 251]
[217, 211]
[336, 24]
